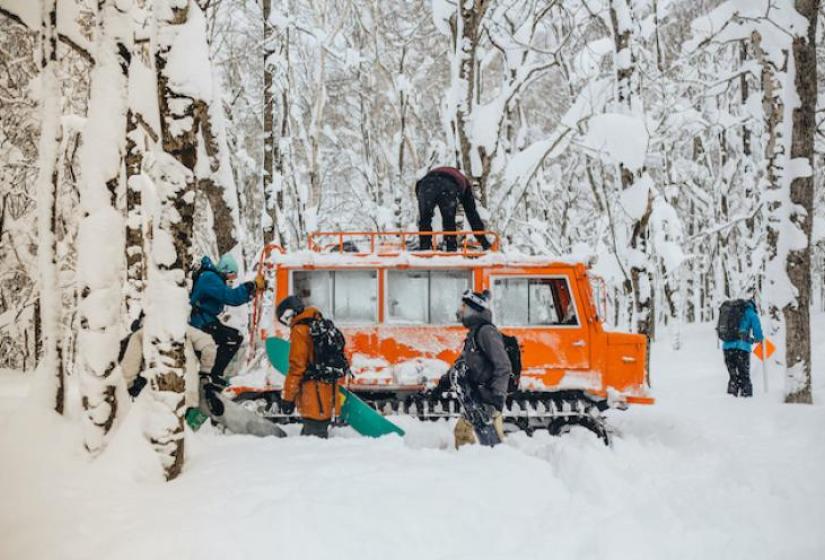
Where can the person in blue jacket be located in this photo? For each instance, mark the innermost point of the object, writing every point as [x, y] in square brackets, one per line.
[738, 352]
[210, 293]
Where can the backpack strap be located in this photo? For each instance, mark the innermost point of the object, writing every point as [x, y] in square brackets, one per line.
[474, 336]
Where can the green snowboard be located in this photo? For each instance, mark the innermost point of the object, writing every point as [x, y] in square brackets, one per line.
[277, 350]
[362, 417]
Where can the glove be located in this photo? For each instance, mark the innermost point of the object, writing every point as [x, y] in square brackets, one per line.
[137, 386]
[260, 283]
[488, 398]
[287, 407]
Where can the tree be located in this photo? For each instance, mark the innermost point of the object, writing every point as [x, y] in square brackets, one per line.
[47, 189]
[177, 62]
[801, 208]
[101, 238]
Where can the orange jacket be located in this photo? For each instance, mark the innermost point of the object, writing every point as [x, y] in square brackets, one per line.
[314, 398]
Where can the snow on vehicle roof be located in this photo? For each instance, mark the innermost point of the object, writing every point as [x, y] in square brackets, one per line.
[411, 259]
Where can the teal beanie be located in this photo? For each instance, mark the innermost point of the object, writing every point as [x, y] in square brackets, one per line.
[228, 265]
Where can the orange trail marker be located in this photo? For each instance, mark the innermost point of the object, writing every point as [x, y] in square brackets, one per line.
[764, 349]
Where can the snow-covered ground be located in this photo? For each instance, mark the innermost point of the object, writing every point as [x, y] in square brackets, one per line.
[698, 475]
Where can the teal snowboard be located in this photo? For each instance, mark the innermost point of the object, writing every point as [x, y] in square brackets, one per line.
[362, 417]
[277, 350]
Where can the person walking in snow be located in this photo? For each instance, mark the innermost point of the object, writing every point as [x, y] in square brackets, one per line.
[738, 352]
[210, 293]
[314, 396]
[488, 366]
[445, 187]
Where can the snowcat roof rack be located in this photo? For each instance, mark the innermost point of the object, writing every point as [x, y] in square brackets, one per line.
[396, 242]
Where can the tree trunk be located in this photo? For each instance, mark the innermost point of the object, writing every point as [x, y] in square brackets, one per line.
[169, 265]
[47, 190]
[466, 36]
[797, 313]
[101, 234]
[628, 100]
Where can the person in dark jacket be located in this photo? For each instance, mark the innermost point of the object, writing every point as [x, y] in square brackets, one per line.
[445, 187]
[488, 365]
[738, 352]
[210, 294]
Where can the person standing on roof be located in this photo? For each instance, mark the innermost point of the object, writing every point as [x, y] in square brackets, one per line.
[314, 396]
[445, 187]
[738, 352]
[210, 293]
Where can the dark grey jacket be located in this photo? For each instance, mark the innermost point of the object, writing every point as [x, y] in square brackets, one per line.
[487, 361]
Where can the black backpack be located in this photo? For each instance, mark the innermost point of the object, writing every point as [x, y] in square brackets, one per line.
[328, 342]
[513, 349]
[730, 317]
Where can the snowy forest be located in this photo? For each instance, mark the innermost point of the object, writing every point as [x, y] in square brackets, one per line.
[675, 147]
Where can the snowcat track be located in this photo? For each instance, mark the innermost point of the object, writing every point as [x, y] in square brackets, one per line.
[556, 412]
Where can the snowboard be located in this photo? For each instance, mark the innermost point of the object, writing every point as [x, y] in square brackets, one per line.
[362, 417]
[233, 416]
[473, 411]
[277, 351]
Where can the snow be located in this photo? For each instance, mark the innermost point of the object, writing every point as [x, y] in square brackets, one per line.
[697, 475]
[618, 139]
[188, 66]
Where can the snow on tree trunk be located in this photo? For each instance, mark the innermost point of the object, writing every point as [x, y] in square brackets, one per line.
[141, 131]
[788, 102]
[135, 254]
[183, 73]
[463, 91]
[217, 181]
[101, 235]
[272, 181]
[637, 186]
[47, 189]
[801, 210]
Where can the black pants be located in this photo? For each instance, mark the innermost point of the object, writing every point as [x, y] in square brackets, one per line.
[739, 369]
[317, 428]
[438, 191]
[228, 341]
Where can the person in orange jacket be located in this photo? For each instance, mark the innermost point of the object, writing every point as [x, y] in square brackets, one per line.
[314, 398]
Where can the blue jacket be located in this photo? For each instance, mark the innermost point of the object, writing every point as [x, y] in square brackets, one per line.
[749, 323]
[210, 294]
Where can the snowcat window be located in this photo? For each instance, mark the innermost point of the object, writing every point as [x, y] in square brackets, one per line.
[343, 295]
[355, 295]
[446, 288]
[314, 288]
[533, 301]
[408, 293]
[425, 296]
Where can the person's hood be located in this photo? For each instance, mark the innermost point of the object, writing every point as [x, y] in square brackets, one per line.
[207, 264]
[473, 318]
[309, 312]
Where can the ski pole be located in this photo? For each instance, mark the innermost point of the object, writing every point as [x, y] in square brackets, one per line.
[764, 366]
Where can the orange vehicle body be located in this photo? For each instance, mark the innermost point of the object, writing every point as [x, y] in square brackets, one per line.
[578, 356]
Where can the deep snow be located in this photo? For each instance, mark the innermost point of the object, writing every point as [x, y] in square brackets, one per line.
[698, 475]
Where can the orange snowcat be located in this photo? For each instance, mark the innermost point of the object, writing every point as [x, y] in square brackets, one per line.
[397, 308]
